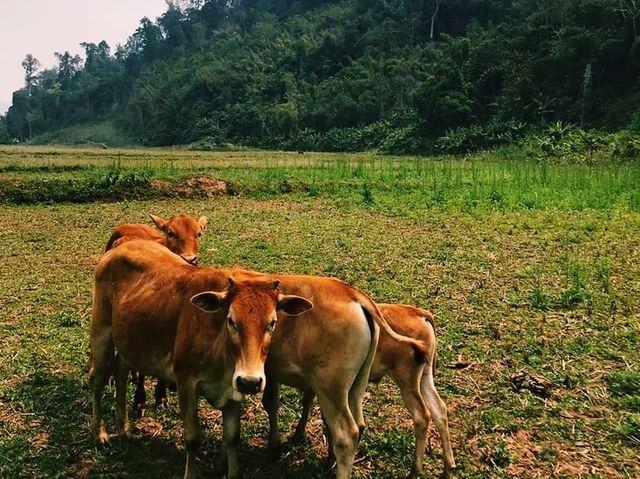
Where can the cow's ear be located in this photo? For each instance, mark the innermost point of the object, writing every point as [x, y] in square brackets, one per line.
[293, 305]
[209, 301]
[202, 221]
[160, 223]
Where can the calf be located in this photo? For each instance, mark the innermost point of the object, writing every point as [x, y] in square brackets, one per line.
[328, 351]
[181, 234]
[412, 372]
[209, 340]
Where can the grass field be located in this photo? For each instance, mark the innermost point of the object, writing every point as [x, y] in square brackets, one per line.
[533, 271]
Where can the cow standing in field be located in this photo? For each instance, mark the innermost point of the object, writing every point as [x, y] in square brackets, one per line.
[181, 234]
[329, 351]
[411, 370]
[207, 339]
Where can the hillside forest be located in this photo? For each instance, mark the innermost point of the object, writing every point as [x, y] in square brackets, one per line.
[407, 76]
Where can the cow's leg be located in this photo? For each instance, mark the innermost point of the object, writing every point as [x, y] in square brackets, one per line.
[271, 402]
[101, 357]
[140, 397]
[231, 437]
[188, 401]
[161, 394]
[307, 401]
[438, 410]
[408, 380]
[331, 457]
[342, 428]
[122, 375]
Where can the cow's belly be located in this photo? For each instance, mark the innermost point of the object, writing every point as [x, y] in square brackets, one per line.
[307, 352]
[159, 366]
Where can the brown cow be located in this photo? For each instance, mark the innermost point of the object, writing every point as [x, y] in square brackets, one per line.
[209, 340]
[329, 351]
[412, 372]
[181, 234]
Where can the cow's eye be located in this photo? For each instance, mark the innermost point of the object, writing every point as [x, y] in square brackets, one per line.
[271, 326]
[171, 234]
[199, 235]
[232, 325]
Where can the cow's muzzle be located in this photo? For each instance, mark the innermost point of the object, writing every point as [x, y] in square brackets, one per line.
[249, 385]
[190, 259]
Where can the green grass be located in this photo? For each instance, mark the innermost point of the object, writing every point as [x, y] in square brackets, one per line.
[553, 291]
[397, 185]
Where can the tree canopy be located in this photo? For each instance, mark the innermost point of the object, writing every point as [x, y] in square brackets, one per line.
[323, 74]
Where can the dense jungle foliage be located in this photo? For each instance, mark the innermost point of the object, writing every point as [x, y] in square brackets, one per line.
[346, 75]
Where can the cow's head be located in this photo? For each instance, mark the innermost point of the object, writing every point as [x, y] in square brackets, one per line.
[183, 234]
[251, 318]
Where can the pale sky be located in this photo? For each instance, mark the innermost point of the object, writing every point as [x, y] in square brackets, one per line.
[42, 27]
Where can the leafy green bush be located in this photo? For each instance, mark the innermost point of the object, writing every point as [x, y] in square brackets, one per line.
[342, 139]
[405, 140]
[565, 143]
[481, 136]
[626, 147]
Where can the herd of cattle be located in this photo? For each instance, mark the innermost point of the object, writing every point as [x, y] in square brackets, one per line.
[225, 333]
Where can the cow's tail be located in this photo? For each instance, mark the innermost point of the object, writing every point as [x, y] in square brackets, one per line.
[115, 236]
[430, 319]
[366, 302]
[360, 382]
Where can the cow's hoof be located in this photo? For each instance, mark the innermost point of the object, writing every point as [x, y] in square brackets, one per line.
[102, 437]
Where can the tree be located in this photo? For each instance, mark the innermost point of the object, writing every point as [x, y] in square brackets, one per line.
[434, 16]
[68, 66]
[31, 66]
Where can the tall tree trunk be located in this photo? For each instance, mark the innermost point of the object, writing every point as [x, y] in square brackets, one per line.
[434, 15]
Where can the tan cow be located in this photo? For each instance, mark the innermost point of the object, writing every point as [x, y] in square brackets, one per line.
[206, 339]
[181, 234]
[412, 372]
[329, 351]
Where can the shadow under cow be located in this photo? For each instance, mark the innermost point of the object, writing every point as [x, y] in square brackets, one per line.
[58, 442]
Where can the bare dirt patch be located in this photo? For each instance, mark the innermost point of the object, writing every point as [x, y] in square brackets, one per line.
[195, 186]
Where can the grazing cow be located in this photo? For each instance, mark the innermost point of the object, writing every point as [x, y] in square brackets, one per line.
[206, 339]
[181, 234]
[329, 351]
[412, 372]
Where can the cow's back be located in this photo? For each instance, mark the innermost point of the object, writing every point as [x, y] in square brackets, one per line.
[146, 286]
[140, 231]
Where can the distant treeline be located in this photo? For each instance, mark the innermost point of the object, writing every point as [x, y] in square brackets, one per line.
[347, 75]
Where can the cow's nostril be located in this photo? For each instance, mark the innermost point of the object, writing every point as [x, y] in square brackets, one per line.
[249, 385]
[190, 259]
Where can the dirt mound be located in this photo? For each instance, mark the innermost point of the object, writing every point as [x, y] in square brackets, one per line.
[207, 186]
